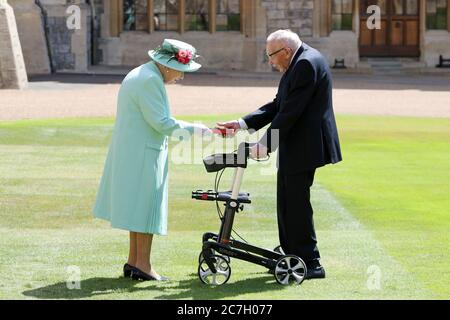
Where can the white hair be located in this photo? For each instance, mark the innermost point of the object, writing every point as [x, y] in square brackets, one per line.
[286, 36]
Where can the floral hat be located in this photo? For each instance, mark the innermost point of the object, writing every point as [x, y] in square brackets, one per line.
[176, 55]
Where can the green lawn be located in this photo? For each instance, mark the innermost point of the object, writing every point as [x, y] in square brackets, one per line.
[380, 214]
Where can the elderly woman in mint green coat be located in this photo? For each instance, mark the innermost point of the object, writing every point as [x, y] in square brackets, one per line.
[133, 192]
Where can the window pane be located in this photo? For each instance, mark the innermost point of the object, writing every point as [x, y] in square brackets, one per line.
[227, 6]
[228, 15]
[431, 6]
[336, 21]
[159, 16]
[442, 4]
[197, 15]
[382, 5]
[441, 18]
[221, 22]
[347, 6]
[342, 11]
[437, 14]
[336, 6]
[141, 15]
[398, 7]
[233, 6]
[190, 22]
[165, 15]
[172, 22]
[234, 22]
[347, 22]
[412, 7]
[431, 22]
[172, 6]
[342, 22]
[129, 18]
[221, 6]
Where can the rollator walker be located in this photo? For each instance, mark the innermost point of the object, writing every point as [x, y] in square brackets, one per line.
[214, 259]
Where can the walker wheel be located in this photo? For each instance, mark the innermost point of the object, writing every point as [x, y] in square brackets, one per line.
[220, 277]
[290, 269]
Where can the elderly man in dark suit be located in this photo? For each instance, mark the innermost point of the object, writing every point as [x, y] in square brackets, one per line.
[303, 127]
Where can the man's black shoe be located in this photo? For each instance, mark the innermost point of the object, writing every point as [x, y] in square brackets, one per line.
[314, 271]
[317, 272]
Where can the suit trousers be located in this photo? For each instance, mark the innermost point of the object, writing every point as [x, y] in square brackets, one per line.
[295, 215]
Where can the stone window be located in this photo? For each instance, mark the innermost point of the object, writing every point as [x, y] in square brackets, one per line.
[177, 15]
[228, 15]
[437, 14]
[342, 14]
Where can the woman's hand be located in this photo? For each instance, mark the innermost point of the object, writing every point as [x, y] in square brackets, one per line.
[202, 130]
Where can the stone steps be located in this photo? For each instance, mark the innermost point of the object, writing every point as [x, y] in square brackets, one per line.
[392, 65]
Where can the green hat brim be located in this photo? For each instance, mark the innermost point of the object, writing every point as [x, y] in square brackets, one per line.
[192, 66]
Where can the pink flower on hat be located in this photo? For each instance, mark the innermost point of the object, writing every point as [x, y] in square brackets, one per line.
[184, 56]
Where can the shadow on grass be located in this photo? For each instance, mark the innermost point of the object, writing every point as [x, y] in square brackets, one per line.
[88, 288]
[190, 288]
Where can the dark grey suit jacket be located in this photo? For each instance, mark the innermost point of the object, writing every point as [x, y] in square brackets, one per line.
[302, 114]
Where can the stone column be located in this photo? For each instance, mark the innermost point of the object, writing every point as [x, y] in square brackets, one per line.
[32, 36]
[12, 66]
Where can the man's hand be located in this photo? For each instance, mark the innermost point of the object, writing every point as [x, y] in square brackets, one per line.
[231, 127]
[258, 151]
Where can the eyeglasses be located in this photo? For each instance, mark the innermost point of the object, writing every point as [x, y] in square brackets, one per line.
[274, 53]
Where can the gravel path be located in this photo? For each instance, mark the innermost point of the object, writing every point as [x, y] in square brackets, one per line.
[91, 96]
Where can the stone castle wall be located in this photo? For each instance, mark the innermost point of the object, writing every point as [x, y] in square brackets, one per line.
[288, 14]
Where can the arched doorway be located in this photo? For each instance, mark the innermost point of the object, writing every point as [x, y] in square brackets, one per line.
[399, 33]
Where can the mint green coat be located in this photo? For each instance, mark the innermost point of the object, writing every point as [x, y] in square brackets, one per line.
[133, 192]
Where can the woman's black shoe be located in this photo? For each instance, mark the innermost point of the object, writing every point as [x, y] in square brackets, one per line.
[137, 274]
[127, 270]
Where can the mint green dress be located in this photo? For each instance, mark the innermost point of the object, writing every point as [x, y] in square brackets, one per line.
[133, 192]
